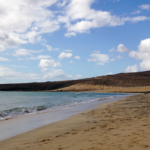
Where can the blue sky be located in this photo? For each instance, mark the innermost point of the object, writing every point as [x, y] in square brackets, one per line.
[51, 40]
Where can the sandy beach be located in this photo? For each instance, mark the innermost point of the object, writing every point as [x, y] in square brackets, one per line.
[119, 125]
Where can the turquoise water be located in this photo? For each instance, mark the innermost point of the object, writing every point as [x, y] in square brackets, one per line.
[19, 103]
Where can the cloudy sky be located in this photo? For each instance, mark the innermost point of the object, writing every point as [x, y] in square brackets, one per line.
[50, 40]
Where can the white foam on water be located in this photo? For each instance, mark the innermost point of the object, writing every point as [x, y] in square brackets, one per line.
[31, 111]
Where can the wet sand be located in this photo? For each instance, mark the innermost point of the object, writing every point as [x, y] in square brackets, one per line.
[119, 125]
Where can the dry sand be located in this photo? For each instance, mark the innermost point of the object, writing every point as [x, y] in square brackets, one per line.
[103, 89]
[119, 125]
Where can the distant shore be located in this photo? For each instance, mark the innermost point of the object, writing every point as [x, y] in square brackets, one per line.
[123, 124]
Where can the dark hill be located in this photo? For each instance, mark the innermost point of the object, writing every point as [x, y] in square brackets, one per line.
[138, 79]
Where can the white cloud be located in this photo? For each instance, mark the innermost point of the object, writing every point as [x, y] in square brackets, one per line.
[77, 57]
[2, 48]
[136, 12]
[25, 52]
[55, 49]
[69, 34]
[143, 52]
[78, 76]
[99, 58]
[9, 74]
[89, 18]
[56, 74]
[112, 49]
[144, 46]
[62, 3]
[71, 61]
[25, 21]
[133, 68]
[119, 57]
[79, 17]
[145, 65]
[122, 49]
[145, 6]
[4, 59]
[40, 57]
[65, 55]
[112, 59]
[109, 73]
[44, 63]
[135, 19]
[59, 74]
[68, 50]
[48, 26]
[19, 59]
[50, 48]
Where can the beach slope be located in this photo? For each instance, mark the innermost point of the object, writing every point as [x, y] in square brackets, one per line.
[119, 125]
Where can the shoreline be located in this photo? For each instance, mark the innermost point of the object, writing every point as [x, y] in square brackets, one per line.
[93, 124]
[32, 121]
[56, 108]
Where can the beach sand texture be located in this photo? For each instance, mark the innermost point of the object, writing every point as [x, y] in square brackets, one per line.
[119, 125]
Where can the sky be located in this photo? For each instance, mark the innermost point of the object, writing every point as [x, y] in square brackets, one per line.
[53, 40]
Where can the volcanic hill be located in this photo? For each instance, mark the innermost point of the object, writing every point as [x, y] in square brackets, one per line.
[123, 82]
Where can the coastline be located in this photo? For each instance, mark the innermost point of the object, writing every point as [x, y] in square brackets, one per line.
[31, 121]
[122, 124]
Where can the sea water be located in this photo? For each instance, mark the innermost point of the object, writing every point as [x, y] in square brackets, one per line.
[21, 112]
[19, 103]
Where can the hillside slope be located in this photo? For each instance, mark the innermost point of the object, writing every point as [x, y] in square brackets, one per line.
[122, 80]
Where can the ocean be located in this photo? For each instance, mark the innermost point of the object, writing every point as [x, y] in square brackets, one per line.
[21, 112]
[14, 104]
